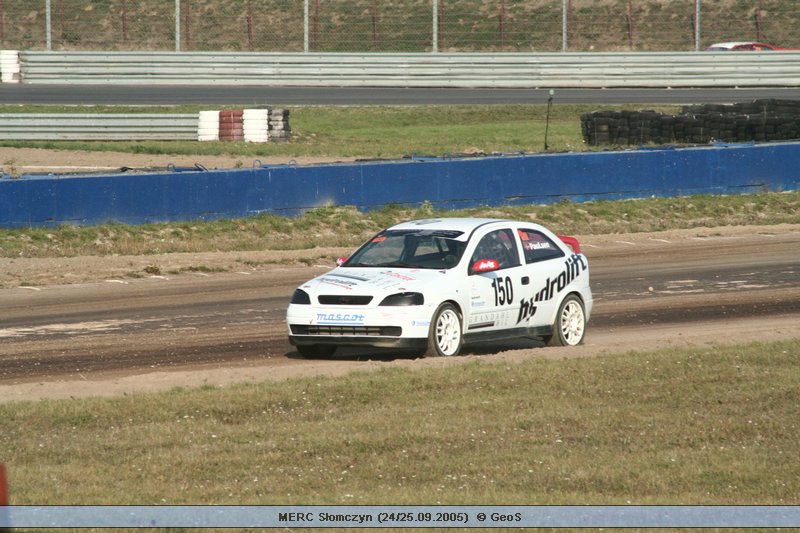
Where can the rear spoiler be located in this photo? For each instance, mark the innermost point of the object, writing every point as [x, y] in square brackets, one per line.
[572, 242]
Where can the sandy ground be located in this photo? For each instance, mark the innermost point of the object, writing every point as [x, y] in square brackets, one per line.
[17, 161]
[700, 335]
[69, 270]
[258, 351]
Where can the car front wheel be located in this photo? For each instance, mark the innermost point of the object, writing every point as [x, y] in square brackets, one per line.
[570, 325]
[445, 336]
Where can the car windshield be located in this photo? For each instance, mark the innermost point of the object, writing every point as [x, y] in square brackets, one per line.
[434, 249]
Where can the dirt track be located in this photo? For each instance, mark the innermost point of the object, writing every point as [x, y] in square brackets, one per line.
[17, 161]
[86, 329]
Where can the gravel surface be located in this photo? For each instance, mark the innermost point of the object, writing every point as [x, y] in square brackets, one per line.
[17, 161]
[87, 330]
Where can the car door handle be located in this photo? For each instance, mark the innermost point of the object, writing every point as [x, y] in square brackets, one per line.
[526, 280]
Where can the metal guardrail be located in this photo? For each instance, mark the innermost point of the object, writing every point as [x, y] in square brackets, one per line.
[469, 70]
[81, 126]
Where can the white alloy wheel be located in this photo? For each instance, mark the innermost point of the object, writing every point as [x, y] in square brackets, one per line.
[570, 325]
[445, 337]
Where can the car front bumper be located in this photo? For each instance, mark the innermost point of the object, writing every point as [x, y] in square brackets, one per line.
[383, 327]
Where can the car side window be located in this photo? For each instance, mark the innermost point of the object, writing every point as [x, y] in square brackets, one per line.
[499, 245]
[536, 246]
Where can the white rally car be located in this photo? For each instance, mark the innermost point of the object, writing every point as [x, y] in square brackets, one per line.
[437, 284]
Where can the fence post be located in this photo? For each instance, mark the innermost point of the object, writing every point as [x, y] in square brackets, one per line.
[435, 27]
[305, 26]
[48, 23]
[697, 34]
[564, 25]
[177, 25]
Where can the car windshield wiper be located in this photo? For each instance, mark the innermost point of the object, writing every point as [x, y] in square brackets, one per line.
[391, 264]
[401, 264]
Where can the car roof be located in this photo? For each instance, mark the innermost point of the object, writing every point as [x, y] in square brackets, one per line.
[733, 44]
[729, 44]
[465, 225]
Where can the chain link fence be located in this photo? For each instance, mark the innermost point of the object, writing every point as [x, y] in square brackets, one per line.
[394, 25]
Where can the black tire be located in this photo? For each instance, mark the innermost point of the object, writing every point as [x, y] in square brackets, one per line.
[569, 328]
[317, 351]
[445, 337]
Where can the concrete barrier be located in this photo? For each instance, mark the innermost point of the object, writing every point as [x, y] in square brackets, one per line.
[251, 125]
[196, 194]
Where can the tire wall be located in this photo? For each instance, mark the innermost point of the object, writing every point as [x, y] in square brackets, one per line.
[760, 120]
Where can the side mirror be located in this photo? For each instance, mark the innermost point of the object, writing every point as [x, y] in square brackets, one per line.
[482, 266]
[340, 261]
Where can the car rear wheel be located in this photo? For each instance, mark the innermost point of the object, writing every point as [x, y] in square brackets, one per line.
[317, 351]
[445, 336]
[569, 328]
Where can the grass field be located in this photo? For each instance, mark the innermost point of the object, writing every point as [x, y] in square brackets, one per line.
[367, 132]
[696, 426]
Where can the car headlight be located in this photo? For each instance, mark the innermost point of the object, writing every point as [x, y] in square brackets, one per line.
[404, 298]
[301, 297]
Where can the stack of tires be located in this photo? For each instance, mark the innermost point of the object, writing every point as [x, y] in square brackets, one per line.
[249, 125]
[761, 120]
[208, 126]
[255, 125]
[9, 66]
[279, 129]
[624, 127]
[231, 125]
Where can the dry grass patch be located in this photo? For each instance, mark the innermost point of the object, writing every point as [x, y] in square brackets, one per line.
[347, 227]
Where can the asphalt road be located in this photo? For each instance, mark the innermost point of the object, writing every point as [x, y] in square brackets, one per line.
[300, 96]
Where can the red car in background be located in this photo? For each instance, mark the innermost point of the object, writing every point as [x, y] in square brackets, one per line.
[747, 46]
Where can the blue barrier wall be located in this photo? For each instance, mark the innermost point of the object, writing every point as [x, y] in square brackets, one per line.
[446, 183]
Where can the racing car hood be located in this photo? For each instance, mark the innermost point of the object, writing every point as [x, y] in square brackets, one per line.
[376, 282]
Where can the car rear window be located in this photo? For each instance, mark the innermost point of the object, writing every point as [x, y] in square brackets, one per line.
[537, 246]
